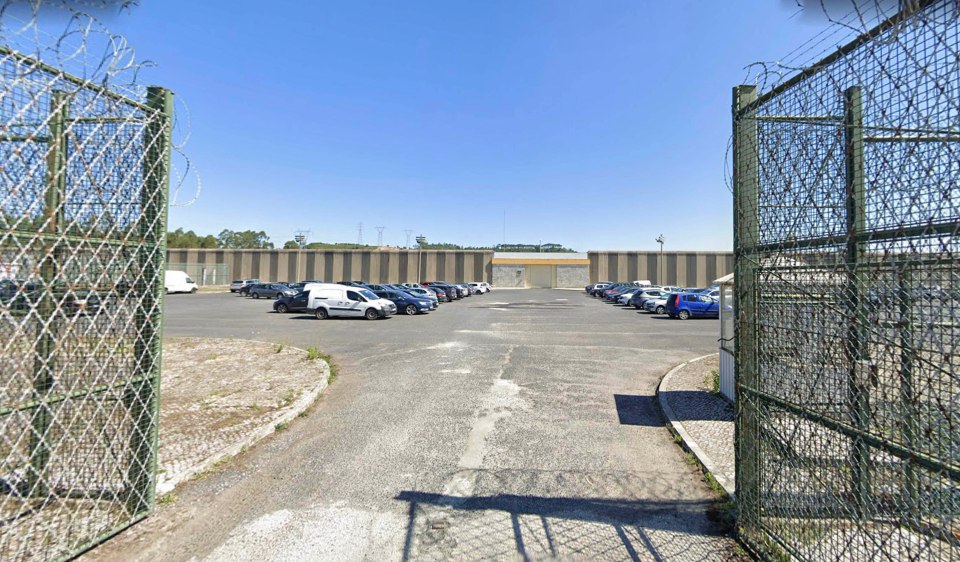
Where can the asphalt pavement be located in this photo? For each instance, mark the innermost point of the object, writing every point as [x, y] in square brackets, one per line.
[514, 425]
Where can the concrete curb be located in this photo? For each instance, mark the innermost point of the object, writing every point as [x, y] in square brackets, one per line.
[706, 463]
[167, 483]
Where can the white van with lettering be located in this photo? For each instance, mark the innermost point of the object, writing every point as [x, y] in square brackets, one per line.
[327, 300]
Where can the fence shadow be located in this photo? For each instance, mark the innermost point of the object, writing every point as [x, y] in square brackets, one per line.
[507, 526]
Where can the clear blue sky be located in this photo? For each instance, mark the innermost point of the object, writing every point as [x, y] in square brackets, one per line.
[594, 124]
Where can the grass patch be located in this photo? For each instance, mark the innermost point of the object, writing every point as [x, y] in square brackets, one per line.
[167, 499]
[712, 381]
[278, 348]
[281, 427]
[288, 398]
[313, 354]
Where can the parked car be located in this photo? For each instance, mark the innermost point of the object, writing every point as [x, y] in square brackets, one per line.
[439, 292]
[425, 293]
[597, 287]
[271, 290]
[686, 305]
[178, 282]
[657, 305]
[452, 292]
[463, 289]
[479, 288]
[327, 301]
[614, 296]
[239, 284]
[296, 303]
[624, 298]
[299, 285]
[638, 299]
[407, 303]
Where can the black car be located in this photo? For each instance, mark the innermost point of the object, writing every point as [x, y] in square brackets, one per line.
[453, 293]
[295, 303]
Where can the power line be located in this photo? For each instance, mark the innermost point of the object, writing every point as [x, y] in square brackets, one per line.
[360, 234]
[380, 235]
[408, 233]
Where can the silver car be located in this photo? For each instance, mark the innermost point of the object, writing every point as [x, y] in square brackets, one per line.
[239, 284]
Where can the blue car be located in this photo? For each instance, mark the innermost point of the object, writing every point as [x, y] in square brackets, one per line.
[686, 305]
[406, 302]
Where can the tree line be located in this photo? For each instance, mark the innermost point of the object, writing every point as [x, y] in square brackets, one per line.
[258, 239]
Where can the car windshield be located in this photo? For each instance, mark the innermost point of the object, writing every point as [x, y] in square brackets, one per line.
[368, 293]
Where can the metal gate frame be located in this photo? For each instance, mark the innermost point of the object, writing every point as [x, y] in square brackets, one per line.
[847, 323]
[84, 220]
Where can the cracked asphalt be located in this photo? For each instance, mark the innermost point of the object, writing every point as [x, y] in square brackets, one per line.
[520, 424]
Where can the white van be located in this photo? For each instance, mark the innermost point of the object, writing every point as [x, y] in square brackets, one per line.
[329, 299]
[178, 282]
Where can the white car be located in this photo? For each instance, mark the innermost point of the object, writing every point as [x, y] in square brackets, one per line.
[327, 300]
[178, 282]
[625, 298]
[480, 287]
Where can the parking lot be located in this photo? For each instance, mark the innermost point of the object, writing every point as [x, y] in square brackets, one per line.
[516, 423]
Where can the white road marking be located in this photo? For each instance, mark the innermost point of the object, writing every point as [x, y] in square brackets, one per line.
[500, 402]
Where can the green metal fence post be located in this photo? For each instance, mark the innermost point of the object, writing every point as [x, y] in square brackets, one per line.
[856, 296]
[44, 357]
[142, 397]
[908, 410]
[746, 237]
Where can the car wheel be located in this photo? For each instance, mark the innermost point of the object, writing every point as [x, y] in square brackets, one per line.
[321, 313]
[255, 295]
[683, 314]
[661, 309]
[411, 310]
[279, 295]
[232, 291]
[282, 308]
[371, 314]
[193, 290]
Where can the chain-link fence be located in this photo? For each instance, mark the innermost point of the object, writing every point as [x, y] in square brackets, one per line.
[847, 188]
[83, 198]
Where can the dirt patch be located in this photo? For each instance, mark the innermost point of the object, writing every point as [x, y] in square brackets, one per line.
[216, 392]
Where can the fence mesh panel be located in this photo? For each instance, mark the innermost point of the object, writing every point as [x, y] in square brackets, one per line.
[83, 188]
[847, 188]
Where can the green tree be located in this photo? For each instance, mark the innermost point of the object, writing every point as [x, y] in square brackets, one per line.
[244, 239]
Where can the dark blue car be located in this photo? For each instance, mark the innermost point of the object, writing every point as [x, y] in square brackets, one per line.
[406, 302]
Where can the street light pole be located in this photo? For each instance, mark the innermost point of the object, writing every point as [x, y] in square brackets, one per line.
[660, 276]
[299, 238]
[421, 240]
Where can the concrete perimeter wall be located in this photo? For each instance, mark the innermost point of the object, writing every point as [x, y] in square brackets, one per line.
[375, 266]
[686, 269]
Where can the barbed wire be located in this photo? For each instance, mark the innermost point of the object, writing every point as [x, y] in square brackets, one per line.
[841, 27]
[83, 46]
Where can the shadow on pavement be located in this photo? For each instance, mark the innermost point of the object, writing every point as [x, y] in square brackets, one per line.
[505, 526]
[637, 410]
